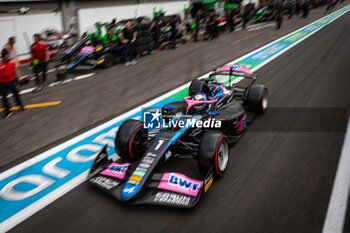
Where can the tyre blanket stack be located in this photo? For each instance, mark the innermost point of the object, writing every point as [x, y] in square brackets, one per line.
[144, 40]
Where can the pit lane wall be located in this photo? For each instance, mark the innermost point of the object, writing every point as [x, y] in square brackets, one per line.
[89, 16]
[37, 182]
[24, 26]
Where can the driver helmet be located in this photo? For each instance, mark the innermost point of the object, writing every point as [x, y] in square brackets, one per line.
[200, 97]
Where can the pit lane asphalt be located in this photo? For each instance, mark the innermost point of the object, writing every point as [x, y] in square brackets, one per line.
[276, 181]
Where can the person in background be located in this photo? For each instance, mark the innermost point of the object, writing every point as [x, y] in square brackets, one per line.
[174, 23]
[210, 25]
[128, 37]
[10, 46]
[8, 73]
[155, 29]
[188, 21]
[112, 30]
[305, 8]
[330, 6]
[230, 15]
[40, 57]
[291, 4]
[245, 15]
[215, 28]
[279, 15]
[197, 21]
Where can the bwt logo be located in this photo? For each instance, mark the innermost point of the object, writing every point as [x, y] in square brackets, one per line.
[152, 119]
[118, 169]
[183, 183]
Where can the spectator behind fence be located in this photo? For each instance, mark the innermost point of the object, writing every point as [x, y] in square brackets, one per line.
[128, 37]
[40, 57]
[10, 46]
[8, 73]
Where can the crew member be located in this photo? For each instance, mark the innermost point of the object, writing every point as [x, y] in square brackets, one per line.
[8, 72]
[40, 57]
[10, 46]
[279, 16]
[174, 23]
[305, 7]
[188, 22]
[231, 19]
[128, 37]
[197, 21]
[245, 15]
[210, 20]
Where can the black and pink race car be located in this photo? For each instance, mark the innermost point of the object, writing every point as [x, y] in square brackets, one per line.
[221, 100]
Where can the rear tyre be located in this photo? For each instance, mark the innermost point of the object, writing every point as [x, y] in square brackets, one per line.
[130, 138]
[257, 99]
[198, 86]
[213, 152]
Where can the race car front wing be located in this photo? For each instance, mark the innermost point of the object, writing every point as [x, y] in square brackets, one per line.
[165, 189]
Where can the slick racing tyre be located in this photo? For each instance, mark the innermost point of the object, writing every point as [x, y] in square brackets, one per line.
[109, 60]
[198, 86]
[213, 152]
[257, 99]
[61, 75]
[130, 140]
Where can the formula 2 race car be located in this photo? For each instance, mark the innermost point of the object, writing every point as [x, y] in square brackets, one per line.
[137, 177]
[88, 53]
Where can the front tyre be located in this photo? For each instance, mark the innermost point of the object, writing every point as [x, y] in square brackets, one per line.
[130, 140]
[109, 60]
[213, 152]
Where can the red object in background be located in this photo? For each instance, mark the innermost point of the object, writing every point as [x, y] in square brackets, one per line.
[222, 21]
[25, 60]
[7, 72]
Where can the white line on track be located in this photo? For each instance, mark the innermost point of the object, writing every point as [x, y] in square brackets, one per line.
[25, 91]
[338, 202]
[41, 203]
[84, 76]
[261, 26]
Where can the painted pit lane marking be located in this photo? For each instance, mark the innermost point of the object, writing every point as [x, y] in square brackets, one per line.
[28, 90]
[40, 105]
[247, 37]
[337, 205]
[260, 27]
[25, 91]
[51, 174]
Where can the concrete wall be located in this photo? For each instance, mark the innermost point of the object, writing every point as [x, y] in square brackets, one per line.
[89, 16]
[21, 25]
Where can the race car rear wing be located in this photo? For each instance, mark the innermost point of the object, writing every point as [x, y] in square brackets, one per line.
[231, 72]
